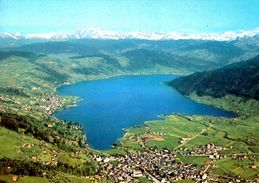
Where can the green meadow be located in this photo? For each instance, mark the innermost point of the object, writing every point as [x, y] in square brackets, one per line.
[238, 136]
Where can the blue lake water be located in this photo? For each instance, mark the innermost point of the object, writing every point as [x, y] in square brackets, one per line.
[112, 104]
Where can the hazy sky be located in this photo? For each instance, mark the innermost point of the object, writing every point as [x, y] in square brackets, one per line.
[39, 16]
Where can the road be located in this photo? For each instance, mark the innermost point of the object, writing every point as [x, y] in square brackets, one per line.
[190, 139]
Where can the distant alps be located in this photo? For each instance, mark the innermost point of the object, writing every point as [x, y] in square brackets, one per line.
[97, 33]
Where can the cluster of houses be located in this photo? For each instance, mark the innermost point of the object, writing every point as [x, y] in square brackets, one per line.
[158, 133]
[48, 104]
[207, 150]
[156, 165]
[184, 140]
[238, 156]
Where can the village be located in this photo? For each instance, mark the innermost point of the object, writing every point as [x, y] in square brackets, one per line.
[45, 104]
[161, 165]
[156, 165]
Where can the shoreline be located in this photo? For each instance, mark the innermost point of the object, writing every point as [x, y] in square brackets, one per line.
[161, 116]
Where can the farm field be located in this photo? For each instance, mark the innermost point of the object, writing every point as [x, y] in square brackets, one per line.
[237, 137]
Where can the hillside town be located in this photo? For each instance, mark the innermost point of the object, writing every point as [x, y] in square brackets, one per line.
[46, 104]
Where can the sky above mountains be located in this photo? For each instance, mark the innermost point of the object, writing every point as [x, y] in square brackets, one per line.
[192, 16]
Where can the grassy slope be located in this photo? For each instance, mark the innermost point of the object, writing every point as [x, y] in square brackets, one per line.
[34, 79]
[17, 146]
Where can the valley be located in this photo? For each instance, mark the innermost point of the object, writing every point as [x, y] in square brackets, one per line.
[210, 148]
[129, 91]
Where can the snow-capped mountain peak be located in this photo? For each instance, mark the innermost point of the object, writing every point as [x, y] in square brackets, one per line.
[97, 33]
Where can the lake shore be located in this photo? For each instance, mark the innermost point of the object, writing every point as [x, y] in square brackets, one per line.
[133, 105]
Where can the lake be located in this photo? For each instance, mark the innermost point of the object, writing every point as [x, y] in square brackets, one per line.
[109, 105]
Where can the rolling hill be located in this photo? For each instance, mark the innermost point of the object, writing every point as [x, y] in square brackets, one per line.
[187, 56]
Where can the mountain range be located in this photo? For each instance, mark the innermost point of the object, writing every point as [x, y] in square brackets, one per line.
[97, 33]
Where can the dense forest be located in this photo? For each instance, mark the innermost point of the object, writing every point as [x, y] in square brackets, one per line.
[241, 79]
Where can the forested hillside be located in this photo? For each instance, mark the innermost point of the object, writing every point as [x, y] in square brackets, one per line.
[241, 79]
